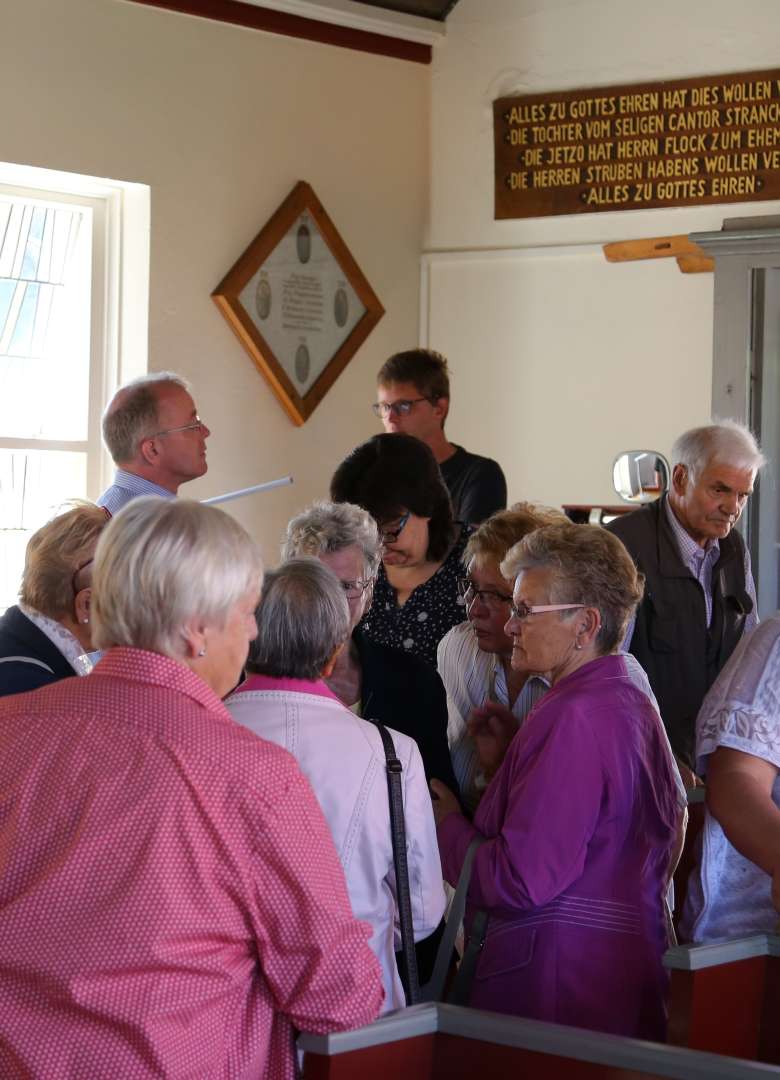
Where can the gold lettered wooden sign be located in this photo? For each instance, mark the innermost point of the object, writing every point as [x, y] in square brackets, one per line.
[684, 143]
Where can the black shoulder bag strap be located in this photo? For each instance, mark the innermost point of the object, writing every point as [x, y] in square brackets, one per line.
[398, 834]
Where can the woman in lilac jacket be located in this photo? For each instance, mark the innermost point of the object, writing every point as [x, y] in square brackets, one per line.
[581, 820]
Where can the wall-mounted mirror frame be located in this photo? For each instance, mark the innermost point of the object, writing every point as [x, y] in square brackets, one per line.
[640, 476]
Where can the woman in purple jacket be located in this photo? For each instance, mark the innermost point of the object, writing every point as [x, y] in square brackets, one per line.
[581, 820]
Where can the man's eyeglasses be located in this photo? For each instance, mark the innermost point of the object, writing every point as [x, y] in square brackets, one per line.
[353, 590]
[397, 408]
[522, 611]
[491, 598]
[196, 425]
[388, 535]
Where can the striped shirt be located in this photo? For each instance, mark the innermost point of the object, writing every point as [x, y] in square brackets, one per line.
[127, 486]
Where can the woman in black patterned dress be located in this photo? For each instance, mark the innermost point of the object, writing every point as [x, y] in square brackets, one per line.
[416, 601]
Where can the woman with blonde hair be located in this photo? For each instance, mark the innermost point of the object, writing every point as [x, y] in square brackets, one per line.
[43, 636]
[474, 657]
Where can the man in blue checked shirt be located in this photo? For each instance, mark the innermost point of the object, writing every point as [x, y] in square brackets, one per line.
[156, 438]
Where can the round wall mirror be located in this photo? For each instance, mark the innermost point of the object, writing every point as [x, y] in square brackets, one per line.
[640, 476]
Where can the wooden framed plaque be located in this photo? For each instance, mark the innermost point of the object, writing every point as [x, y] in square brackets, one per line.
[299, 303]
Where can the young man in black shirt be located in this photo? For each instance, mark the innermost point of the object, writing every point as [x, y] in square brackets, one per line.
[413, 397]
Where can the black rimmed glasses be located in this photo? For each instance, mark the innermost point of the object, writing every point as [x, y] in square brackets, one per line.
[491, 598]
[390, 532]
[397, 408]
[195, 425]
[522, 611]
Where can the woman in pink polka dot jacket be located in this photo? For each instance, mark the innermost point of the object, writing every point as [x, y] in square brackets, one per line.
[171, 901]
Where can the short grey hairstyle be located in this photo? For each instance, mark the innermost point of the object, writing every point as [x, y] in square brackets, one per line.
[726, 442]
[302, 619]
[161, 563]
[132, 414]
[326, 527]
[590, 567]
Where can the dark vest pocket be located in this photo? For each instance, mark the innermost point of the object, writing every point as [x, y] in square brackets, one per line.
[506, 950]
[662, 634]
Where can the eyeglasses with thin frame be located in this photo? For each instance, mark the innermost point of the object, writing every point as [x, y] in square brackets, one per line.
[491, 598]
[397, 408]
[389, 536]
[196, 425]
[353, 590]
[522, 611]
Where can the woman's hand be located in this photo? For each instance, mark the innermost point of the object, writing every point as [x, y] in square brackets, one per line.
[492, 727]
[688, 776]
[444, 802]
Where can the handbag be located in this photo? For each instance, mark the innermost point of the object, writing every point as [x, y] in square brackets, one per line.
[398, 836]
[461, 987]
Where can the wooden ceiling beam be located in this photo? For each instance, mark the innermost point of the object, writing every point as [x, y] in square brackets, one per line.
[280, 22]
[691, 259]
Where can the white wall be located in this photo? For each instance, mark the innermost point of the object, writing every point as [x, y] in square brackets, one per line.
[221, 122]
[560, 359]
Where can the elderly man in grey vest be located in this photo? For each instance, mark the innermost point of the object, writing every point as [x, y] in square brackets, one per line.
[699, 594]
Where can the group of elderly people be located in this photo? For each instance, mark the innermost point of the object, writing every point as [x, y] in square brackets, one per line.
[177, 895]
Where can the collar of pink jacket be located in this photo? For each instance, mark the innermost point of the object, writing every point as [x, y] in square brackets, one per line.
[315, 687]
[154, 669]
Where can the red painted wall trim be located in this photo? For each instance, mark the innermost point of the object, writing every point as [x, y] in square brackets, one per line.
[279, 22]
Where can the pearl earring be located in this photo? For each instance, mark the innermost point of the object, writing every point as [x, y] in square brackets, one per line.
[202, 652]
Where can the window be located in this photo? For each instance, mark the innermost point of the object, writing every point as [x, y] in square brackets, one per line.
[69, 266]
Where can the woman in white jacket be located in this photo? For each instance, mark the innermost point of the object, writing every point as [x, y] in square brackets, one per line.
[303, 622]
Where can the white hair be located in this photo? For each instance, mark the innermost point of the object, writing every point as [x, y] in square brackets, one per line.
[161, 563]
[326, 527]
[302, 619]
[726, 442]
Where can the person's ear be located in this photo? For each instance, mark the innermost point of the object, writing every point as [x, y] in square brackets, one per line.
[81, 605]
[147, 449]
[441, 406]
[680, 479]
[327, 670]
[194, 636]
[588, 624]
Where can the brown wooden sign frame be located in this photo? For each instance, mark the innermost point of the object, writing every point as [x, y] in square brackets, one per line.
[712, 139]
[227, 297]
